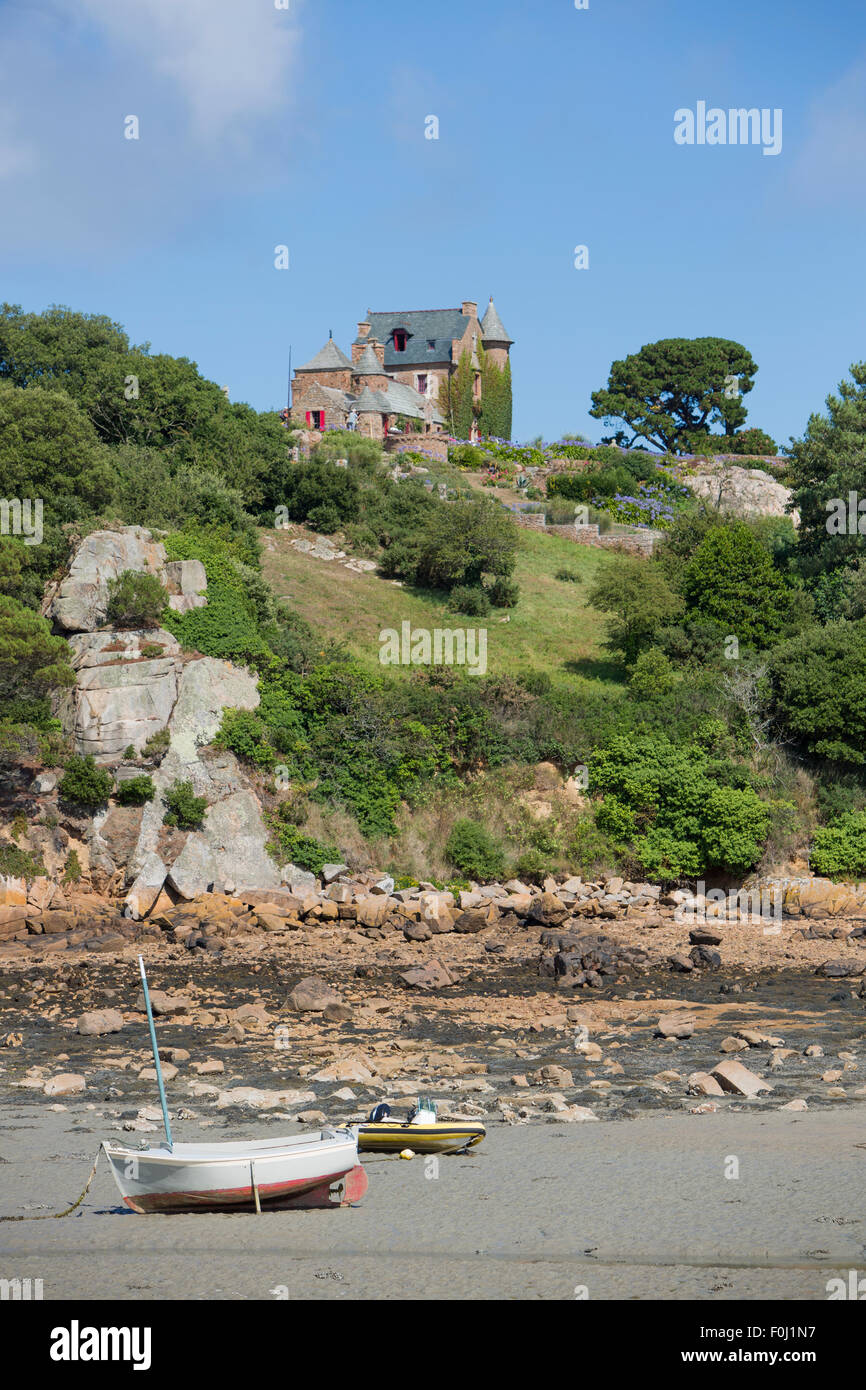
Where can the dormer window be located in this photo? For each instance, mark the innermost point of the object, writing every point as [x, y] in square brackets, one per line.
[431, 344]
[400, 336]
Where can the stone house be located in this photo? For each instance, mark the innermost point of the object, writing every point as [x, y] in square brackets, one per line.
[392, 379]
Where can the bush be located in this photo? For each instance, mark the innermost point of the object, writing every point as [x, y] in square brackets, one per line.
[503, 593]
[652, 676]
[474, 853]
[245, 734]
[839, 851]
[325, 519]
[290, 845]
[135, 791]
[676, 810]
[73, 871]
[151, 650]
[568, 576]
[135, 599]
[471, 601]
[531, 866]
[156, 745]
[20, 863]
[84, 783]
[185, 809]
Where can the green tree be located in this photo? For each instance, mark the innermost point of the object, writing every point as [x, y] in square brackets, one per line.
[32, 661]
[672, 392]
[464, 540]
[640, 600]
[827, 464]
[818, 683]
[730, 580]
[49, 450]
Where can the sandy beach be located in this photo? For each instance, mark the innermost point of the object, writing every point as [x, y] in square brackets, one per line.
[637, 1209]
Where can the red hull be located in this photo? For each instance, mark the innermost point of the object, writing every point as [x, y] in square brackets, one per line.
[339, 1190]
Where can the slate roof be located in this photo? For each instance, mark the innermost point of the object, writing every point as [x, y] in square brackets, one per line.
[329, 358]
[368, 364]
[440, 325]
[397, 399]
[492, 327]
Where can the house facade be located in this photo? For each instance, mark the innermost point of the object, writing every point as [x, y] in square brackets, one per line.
[399, 360]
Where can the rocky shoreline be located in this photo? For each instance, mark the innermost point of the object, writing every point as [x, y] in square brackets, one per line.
[565, 1003]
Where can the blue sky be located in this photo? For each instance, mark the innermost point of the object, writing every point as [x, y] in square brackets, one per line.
[305, 127]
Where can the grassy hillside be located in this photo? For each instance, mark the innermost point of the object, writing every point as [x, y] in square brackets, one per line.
[550, 630]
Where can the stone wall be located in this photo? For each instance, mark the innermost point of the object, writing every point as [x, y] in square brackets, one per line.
[633, 540]
[434, 445]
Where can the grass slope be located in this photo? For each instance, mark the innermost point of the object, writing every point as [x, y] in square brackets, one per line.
[550, 630]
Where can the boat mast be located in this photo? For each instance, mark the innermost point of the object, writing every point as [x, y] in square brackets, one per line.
[155, 1054]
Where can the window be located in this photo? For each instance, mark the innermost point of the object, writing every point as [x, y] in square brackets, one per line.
[431, 344]
[421, 382]
[316, 419]
[400, 339]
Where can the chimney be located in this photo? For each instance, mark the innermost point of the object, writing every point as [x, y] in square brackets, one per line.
[363, 329]
[470, 308]
[379, 349]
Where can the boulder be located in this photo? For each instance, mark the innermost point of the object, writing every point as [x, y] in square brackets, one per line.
[147, 887]
[81, 599]
[100, 1021]
[675, 1026]
[313, 995]
[433, 975]
[162, 1003]
[733, 1076]
[65, 1084]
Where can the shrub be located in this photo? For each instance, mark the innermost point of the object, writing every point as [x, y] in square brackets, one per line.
[474, 853]
[503, 593]
[18, 826]
[129, 753]
[135, 791]
[84, 783]
[531, 866]
[245, 733]
[185, 809]
[291, 845]
[325, 519]
[135, 599]
[474, 602]
[156, 745]
[568, 576]
[819, 687]
[839, 851]
[652, 676]
[20, 863]
[73, 869]
[152, 649]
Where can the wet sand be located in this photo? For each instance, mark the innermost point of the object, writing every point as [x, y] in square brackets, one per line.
[638, 1209]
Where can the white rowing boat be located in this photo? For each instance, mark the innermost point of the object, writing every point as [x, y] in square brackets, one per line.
[318, 1170]
[312, 1170]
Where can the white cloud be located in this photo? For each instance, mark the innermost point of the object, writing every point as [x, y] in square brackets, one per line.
[229, 59]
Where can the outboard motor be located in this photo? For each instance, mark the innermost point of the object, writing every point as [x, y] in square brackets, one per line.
[380, 1112]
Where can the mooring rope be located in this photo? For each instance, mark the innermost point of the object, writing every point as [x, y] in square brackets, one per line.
[55, 1215]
